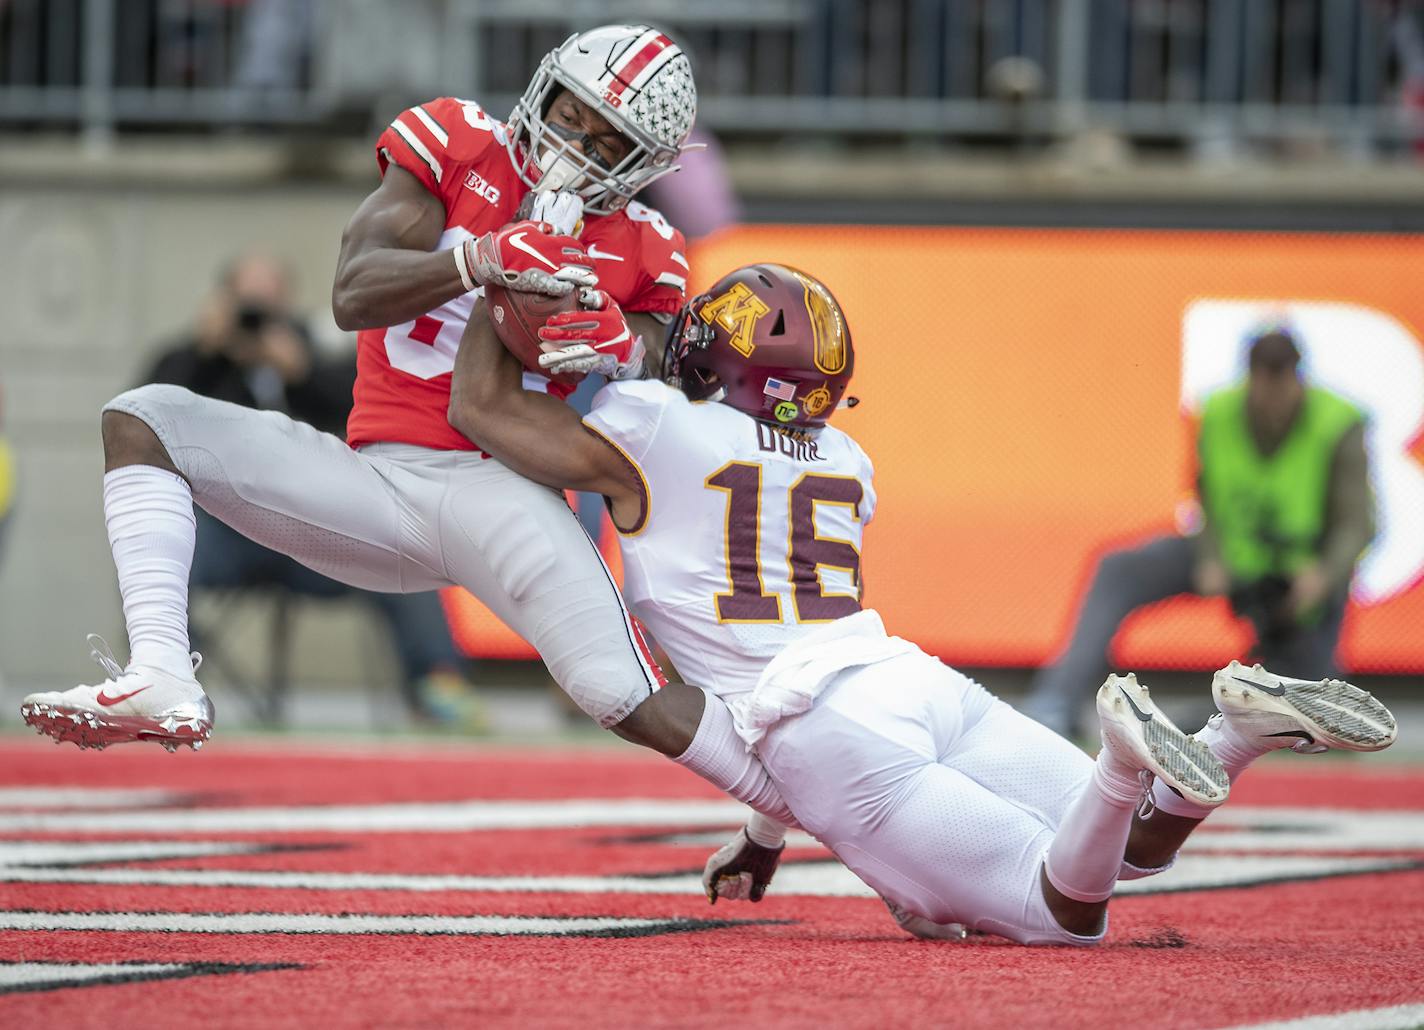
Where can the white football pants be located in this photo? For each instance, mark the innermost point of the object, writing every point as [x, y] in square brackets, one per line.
[402, 519]
[934, 792]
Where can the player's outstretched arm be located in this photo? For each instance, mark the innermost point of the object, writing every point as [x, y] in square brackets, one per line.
[386, 273]
[536, 435]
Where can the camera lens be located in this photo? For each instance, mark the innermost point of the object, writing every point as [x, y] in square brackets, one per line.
[251, 318]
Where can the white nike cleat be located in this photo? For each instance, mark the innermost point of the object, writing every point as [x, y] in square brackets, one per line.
[138, 703]
[1308, 716]
[1137, 732]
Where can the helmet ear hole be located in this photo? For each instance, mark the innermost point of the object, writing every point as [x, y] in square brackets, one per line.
[779, 329]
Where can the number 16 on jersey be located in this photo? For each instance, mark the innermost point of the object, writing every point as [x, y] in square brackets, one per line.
[809, 555]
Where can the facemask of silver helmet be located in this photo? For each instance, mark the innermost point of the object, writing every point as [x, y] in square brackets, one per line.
[632, 75]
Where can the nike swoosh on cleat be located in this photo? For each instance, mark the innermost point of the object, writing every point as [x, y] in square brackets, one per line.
[106, 701]
[1292, 733]
[1135, 710]
[1277, 691]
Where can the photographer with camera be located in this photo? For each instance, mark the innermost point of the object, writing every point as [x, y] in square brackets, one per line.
[1287, 509]
[249, 347]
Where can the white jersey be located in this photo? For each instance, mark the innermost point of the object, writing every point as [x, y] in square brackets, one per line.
[750, 537]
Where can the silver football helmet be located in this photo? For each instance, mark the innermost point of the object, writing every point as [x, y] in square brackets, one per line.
[634, 76]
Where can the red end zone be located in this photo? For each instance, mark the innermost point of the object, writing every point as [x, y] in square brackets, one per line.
[272, 886]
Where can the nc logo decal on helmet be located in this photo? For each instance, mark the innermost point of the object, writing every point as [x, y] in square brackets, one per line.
[737, 311]
[785, 411]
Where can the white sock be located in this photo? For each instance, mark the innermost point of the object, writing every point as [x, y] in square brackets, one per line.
[721, 758]
[1232, 750]
[149, 515]
[1086, 854]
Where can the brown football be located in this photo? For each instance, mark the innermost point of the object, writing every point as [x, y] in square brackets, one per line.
[517, 318]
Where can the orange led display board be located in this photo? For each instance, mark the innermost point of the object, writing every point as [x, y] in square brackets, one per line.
[1027, 397]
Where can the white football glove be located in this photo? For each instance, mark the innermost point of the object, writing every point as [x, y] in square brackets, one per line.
[562, 210]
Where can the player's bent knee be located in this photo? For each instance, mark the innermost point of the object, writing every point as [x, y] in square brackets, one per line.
[131, 423]
[151, 405]
[599, 676]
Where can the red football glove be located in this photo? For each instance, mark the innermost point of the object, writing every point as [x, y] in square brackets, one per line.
[526, 256]
[596, 339]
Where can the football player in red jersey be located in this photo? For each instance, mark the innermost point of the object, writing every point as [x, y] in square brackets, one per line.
[407, 503]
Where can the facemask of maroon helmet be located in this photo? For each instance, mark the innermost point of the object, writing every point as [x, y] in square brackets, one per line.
[768, 340]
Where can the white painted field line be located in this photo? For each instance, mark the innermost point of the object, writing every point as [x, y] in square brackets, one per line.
[317, 923]
[1392, 1017]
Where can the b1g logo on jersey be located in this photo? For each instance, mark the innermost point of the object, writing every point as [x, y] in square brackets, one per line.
[475, 181]
[736, 311]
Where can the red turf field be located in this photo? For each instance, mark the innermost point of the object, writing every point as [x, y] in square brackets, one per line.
[283, 886]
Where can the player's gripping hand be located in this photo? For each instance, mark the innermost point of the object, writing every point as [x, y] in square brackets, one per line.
[526, 256]
[595, 339]
[741, 869]
[561, 209]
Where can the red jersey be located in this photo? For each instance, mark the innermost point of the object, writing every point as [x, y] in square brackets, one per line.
[459, 153]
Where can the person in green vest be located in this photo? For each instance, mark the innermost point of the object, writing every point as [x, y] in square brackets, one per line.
[1287, 510]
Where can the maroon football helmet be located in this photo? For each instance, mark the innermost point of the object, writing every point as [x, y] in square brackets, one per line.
[769, 341]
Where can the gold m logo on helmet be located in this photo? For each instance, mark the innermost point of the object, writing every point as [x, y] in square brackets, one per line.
[828, 327]
[736, 311]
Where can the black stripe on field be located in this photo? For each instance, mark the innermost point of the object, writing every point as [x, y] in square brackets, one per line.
[180, 971]
[1333, 874]
[256, 849]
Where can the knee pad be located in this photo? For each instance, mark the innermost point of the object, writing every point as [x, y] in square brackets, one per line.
[153, 405]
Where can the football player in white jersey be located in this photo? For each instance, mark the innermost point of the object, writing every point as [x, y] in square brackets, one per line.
[741, 515]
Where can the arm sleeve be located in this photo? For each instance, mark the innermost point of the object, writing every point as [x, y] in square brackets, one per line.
[629, 414]
[1350, 522]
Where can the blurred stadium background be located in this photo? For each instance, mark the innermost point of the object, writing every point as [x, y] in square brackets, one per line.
[1050, 222]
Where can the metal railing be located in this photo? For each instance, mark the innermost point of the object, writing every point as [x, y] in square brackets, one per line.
[1344, 72]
